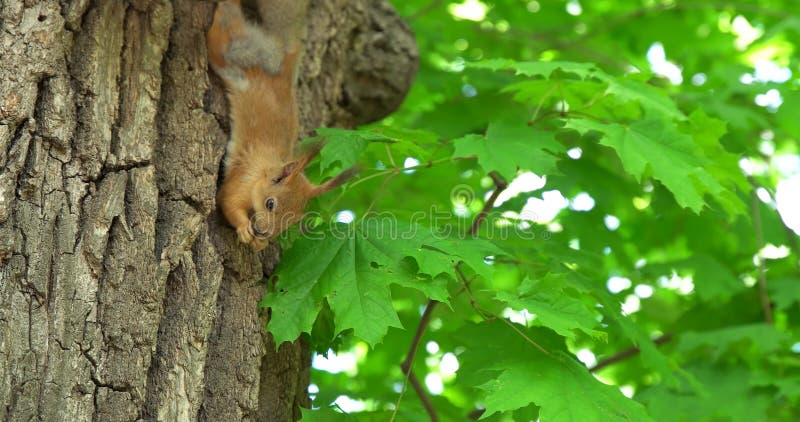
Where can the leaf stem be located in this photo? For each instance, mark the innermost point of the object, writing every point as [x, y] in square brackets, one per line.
[394, 171]
[481, 311]
[541, 102]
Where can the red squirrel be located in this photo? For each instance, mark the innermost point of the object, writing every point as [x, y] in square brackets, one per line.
[264, 191]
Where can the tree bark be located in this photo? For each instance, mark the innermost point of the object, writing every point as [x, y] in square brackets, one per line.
[123, 293]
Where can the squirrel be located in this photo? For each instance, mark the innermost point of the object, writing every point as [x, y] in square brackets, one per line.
[264, 190]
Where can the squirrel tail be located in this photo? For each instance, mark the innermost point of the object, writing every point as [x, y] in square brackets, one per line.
[236, 46]
[285, 18]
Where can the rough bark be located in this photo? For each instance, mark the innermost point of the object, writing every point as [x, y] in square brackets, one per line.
[123, 294]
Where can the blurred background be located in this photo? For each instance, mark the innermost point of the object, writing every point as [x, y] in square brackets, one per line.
[709, 272]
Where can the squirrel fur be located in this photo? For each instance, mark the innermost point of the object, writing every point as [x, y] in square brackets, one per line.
[264, 190]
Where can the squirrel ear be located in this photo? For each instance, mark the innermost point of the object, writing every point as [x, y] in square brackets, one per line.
[334, 183]
[287, 170]
[310, 151]
[297, 166]
[313, 148]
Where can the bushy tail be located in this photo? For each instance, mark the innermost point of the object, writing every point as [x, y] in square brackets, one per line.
[285, 19]
[236, 46]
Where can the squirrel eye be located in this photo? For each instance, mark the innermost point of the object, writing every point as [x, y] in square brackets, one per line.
[270, 204]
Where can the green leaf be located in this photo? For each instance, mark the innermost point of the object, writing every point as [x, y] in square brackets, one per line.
[671, 155]
[707, 132]
[757, 339]
[726, 396]
[539, 68]
[784, 291]
[517, 374]
[657, 105]
[471, 250]
[352, 266]
[409, 142]
[507, 147]
[651, 356]
[555, 306]
[713, 281]
[343, 146]
[346, 270]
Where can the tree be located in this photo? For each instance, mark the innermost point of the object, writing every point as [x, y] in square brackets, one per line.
[123, 294]
[579, 199]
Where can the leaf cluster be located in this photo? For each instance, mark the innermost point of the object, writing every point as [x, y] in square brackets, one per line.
[629, 253]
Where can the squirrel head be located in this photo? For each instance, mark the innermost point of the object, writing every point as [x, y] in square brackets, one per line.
[279, 200]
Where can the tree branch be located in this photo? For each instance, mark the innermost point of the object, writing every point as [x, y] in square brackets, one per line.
[627, 353]
[406, 366]
[500, 185]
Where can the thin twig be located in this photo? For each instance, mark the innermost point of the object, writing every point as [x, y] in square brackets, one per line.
[766, 305]
[386, 181]
[381, 190]
[500, 185]
[392, 171]
[407, 366]
[627, 353]
[544, 98]
[791, 236]
[389, 154]
[481, 311]
[432, 5]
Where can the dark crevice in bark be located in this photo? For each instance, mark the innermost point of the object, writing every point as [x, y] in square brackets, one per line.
[38, 108]
[120, 87]
[15, 393]
[127, 388]
[18, 133]
[116, 168]
[222, 121]
[51, 281]
[95, 394]
[81, 210]
[76, 88]
[67, 10]
[85, 352]
[192, 203]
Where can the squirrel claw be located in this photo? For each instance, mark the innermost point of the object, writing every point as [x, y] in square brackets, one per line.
[259, 244]
[245, 235]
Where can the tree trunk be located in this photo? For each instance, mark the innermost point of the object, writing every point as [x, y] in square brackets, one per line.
[123, 293]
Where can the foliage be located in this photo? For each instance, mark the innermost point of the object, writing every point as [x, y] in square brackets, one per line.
[645, 226]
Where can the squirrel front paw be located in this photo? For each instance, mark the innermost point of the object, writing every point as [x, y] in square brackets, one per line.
[245, 233]
[259, 244]
[246, 236]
